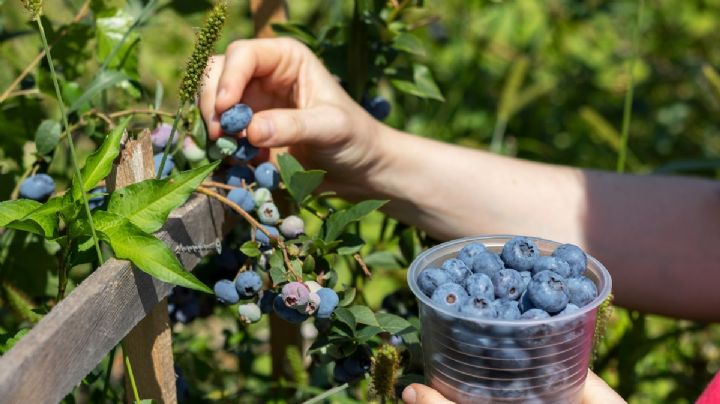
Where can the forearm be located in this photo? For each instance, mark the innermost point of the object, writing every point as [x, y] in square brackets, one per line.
[658, 236]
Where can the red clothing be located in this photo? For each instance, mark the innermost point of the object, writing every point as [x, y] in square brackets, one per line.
[711, 395]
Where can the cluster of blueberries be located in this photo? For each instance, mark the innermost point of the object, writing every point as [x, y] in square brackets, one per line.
[516, 284]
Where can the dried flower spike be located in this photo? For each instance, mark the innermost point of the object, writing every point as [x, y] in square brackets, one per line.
[385, 365]
[204, 47]
[34, 7]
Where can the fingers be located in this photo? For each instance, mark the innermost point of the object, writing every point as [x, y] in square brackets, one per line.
[419, 394]
[287, 127]
[207, 96]
[596, 391]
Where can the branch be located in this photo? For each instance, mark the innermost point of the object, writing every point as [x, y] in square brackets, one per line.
[364, 267]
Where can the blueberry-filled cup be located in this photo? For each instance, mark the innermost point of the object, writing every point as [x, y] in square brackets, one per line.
[471, 359]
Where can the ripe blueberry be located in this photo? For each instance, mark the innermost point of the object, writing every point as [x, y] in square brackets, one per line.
[486, 263]
[508, 284]
[550, 263]
[450, 296]
[430, 278]
[236, 119]
[167, 168]
[245, 151]
[248, 283]
[226, 292]
[378, 107]
[237, 174]
[37, 187]
[574, 256]
[456, 269]
[267, 176]
[243, 198]
[534, 314]
[581, 291]
[266, 301]
[569, 309]
[467, 253]
[480, 307]
[262, 238]
[507, 309]
[292, 226]
[328, 301]
[520, 253]
[286, 313]
[480, 285]
[548, 291]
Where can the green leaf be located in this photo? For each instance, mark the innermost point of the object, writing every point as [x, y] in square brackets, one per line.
[382, 259]
[345, 316]
[363, 315]
[250, 248]
[278, 272]
[336, 223]
[159, 90]
[17, 209]
[351, 243]
[295, 30]
[366, 333]
[422, 85]
[147, 204]
[21, 304]
[102, 81]
[98, 165]
[308, 265]
[347, 297]
[47, 136]
[31, 216]
[392, 323]
[288, 166]
[113, 34]
[409, 43]
[145, 251]
[9, 341]
[303, 183]
[198, 130]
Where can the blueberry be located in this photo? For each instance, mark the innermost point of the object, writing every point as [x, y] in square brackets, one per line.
[550, 263]
[520, 253]
[341, 375]
[480, 307]
[456, 270]
[27, 82]
[268, 213]
[526, 278]
[313, 286]
[226, 292]
[37, 187]
[581, 291]
[292, 226]
[574, 256]
[262, 238]
[237, 174]
[328, 301]
[229, 259]
[248, 283]
[286, 313]
[480, 285]
[450, 296]
[507, 309]
[243, 198]
[548, 291]
[525, 303]
[236, 119]
[262, 195]
[510, 359]
[508, 284]
[249, 313]
[312, 304]
[295, 295]
[266, 301]
[267, 176]
[223, 147]
[534, 314]
[191, 151]
[486, 263]
[378, 107]
[183, 305]
[245, 151]
[467, 253]
[430, 278]
[98, 199]
[355, 365]
[569, 309]
[160, 136]
[167, 168]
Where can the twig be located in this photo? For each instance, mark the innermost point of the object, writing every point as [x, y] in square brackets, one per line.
[247, 216]
[364, 267]
[20, 93]
[140, 111]
[215, 184]
[80, 14]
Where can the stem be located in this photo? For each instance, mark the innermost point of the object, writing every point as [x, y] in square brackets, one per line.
[215, 184]
[63, 272]
[327, 394]
[71, 144]
[139, 111]
[627, 109]
[497, 137]
[254, 223]
[362, 264]
[169, 142]
[106, 384]
[128, 367]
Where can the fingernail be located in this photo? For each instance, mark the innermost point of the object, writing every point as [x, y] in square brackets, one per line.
[409, 395]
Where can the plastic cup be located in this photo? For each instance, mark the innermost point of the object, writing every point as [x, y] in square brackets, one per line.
[473, 360]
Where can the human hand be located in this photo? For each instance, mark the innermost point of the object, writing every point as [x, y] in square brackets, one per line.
[298, 104]
[595, 391]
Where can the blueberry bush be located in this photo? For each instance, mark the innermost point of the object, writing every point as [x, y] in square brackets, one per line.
[334, 268]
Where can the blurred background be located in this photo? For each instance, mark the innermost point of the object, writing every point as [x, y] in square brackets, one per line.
[538, 79]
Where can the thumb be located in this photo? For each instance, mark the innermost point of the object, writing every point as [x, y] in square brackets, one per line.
[420, 394]
[597, 391]
[287, 127]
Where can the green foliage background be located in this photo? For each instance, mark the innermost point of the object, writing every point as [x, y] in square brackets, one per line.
[547, 77]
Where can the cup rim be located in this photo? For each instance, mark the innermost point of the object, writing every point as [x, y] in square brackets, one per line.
[414, 271]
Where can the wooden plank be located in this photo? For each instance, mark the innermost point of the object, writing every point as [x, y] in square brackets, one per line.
[76, 335]
[149, 344]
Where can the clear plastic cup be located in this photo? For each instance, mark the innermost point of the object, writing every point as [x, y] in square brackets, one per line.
[473, 360]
